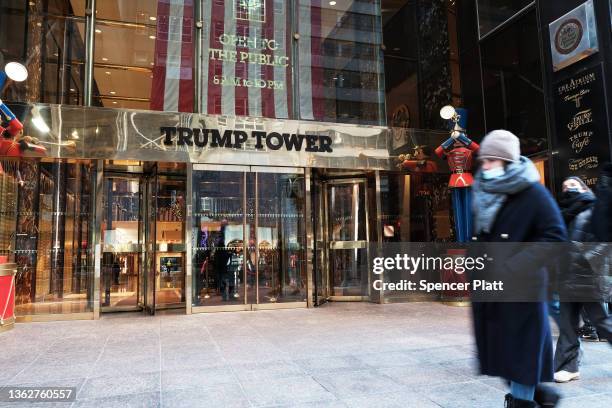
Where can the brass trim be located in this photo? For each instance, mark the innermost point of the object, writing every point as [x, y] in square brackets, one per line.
[349, 298]
[379, 237]
[277, 169]
[348, 244]
[170, 306]
[4, 327]
[279, 305]
[55, 317]
[188, 239]
[309, 232]
[256, 216]
[96, 235]
[8, 269]
[221, 167]
[113, 309]
[223, 308]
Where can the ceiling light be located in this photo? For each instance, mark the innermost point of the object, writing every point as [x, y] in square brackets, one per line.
[152, 37]
[114, 102]
[152, 64]
[332, 3]
[98, 31]
[97, 130]
[112, 92]
[153, 18]
[16, 71]
[104, 59]
[107, 73]
[72, 90]
[74, 134]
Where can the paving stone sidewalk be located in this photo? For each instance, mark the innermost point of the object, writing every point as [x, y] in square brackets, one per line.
[337, 355]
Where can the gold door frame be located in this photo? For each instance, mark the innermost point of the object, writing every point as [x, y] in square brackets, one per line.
[247, 303]
[329, 244]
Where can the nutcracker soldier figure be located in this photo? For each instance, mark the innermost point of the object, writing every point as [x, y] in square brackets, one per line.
[458, 150]
[13, 143]
[419, 161]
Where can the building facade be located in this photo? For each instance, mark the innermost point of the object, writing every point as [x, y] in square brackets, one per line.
[215, 155]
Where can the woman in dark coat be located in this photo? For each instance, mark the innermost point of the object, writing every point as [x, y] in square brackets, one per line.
[584, 281]
[513, 338]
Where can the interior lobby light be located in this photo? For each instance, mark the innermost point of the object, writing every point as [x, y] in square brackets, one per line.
[152, 37]
[153, 18]
[332, 3]
[98, 31]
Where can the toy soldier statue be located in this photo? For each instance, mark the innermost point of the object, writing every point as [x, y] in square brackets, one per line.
[458, 150]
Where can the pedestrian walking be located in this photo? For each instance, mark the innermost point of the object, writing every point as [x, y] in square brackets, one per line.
[513, 339]
[584, 282]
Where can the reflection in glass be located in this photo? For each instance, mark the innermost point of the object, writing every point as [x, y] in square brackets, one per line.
[348, 236]
[340, 64]
[218, 239]
[121, 228]
[51, 236]
[280, 231]
[492, 13]
[52, 46]
[512, 82]
[170, 244]
[153, 68]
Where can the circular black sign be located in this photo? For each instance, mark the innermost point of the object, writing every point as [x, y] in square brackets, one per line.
[568, 36]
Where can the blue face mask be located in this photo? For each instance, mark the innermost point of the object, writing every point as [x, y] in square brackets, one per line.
[493, 173]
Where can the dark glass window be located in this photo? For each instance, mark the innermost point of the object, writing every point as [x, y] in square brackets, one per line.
[47, 37]
[512, 82]
[340, 62]
[492, 13]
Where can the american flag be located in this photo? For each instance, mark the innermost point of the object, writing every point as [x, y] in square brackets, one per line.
[232, 85]
[173, 71]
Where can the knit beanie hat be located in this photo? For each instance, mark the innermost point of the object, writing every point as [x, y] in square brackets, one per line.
[500, 144]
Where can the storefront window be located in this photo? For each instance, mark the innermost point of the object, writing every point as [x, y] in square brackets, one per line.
[512, 84]
[492, 13]
[340, 62]
[246, 58]
[153, 66]
[52, 246]
[415, 207]
[248, 236]
[48, 38]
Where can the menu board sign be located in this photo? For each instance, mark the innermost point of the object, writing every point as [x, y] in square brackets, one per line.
[583, 142]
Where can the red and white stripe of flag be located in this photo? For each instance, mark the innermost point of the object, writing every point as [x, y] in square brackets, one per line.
[173, 83]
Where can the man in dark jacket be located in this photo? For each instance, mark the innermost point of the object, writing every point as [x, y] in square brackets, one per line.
[584, 282]
[510, 205]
